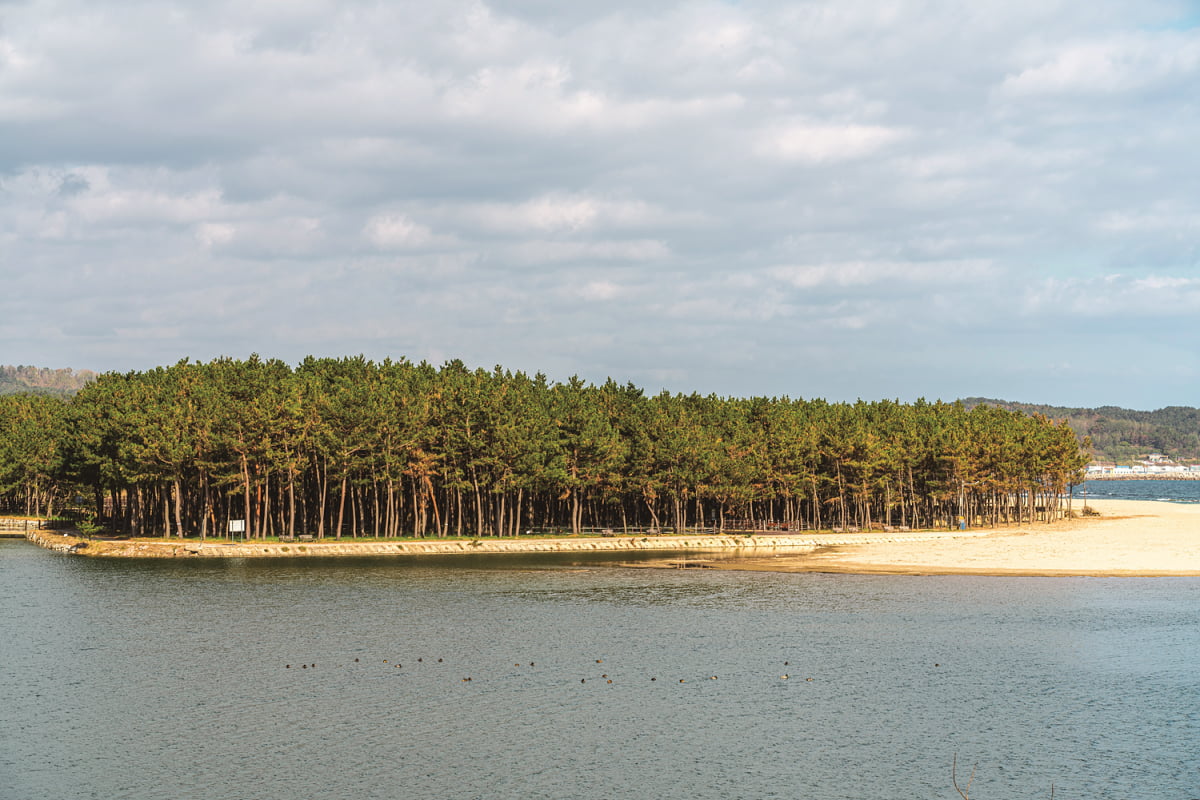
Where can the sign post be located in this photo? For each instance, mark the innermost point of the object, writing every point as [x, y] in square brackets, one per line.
[237, 526]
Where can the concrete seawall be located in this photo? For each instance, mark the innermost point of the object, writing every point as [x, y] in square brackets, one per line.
[159, 548]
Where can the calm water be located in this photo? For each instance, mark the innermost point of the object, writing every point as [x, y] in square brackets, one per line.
[1168, 491]
[166, 680]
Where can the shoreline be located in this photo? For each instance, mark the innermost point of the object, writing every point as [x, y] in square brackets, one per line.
[62, 542]
[1130, 538]
[1144, 476]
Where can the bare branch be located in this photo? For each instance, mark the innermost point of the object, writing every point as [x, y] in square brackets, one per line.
[963, 793]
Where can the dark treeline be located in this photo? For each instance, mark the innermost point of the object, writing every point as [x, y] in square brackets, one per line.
[1121, 434]
[350, 447]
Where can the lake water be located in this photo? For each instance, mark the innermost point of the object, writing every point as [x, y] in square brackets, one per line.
[159, 679]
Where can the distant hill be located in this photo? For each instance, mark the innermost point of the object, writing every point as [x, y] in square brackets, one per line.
[41, 380]
[1120, 434]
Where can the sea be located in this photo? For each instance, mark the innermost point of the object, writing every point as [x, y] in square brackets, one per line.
[561, 676]
[1176, 491]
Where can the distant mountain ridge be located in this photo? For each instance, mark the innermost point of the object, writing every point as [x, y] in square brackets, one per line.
[1122, 435]
[42, 380]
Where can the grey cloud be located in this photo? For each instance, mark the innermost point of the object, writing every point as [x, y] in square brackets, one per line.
[835, 199]
[73, 184]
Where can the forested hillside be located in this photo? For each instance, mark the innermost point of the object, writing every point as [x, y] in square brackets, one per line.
[40, 380]
[351, 447]
[1119, 434]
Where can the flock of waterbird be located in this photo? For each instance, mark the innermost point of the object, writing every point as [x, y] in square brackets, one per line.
[468, 679]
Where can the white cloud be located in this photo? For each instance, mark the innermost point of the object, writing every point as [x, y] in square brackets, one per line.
[1155, 283]
[388, 231]
[566, 214]
[277, 237]
[863, 273]
[600, 291]
[1154, 220]
[546, 213]
[215, 234]
[821, 143]
[1123, 63]
[1118, 300]
[550, 252]
[544, 98]
[144, 205]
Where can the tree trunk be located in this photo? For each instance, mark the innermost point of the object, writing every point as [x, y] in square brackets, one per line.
[517, 513]
[246, 490]
[206, 509]
[437, 512]
[323, 491]
[178, 507]
[291, 526]
[341, 509]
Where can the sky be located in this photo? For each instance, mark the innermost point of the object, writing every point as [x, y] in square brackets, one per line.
[844, 199]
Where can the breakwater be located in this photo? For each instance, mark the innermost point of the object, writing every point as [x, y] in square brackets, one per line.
[174, 548]
[1144, 476]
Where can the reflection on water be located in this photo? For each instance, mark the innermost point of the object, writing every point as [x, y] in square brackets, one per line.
[157, 679]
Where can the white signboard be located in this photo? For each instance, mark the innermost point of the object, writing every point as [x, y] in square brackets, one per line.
[237, 526]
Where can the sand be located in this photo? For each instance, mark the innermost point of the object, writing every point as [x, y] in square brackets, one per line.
[1129, 538]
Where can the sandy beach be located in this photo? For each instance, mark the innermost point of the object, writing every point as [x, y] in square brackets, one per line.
[1129, 538]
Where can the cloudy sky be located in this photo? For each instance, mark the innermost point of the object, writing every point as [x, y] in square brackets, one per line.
[843, 199]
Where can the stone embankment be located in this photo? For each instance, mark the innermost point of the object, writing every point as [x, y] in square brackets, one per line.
[58, 541]
[159, 548]
[16, 527]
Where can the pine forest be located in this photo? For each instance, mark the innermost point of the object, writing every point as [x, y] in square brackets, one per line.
[349, 447]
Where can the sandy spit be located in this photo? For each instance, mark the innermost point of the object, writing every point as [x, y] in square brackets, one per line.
[717, 545]
[1129, 538]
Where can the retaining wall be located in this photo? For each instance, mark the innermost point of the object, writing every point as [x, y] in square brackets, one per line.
[158, 548]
